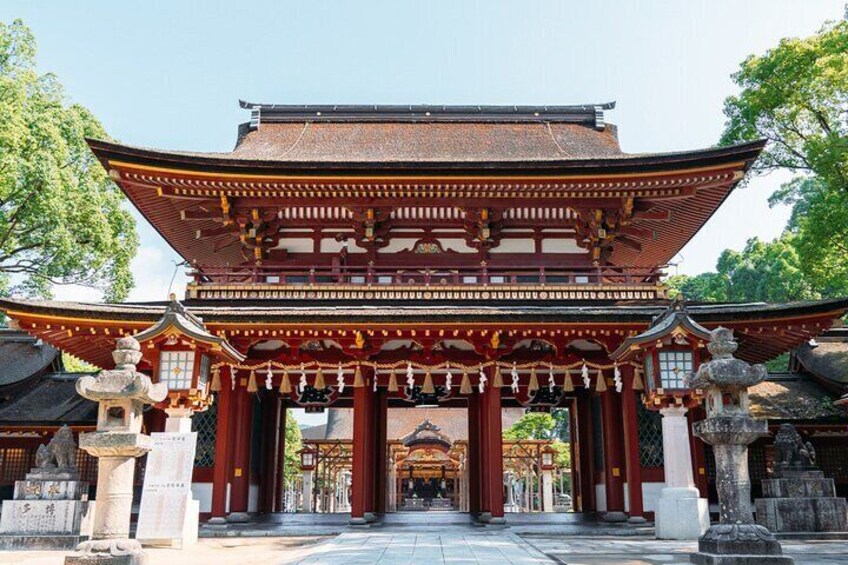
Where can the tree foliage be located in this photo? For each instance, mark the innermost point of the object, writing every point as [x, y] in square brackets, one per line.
[533, 425]
[294, 442]
[61, 218]
[796, 96]
[762, 271]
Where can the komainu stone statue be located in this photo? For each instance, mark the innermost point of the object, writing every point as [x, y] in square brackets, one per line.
[791, 452]
[57, 459]
[798, 497]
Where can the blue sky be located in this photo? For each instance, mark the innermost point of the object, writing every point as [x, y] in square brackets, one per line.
[169, 74]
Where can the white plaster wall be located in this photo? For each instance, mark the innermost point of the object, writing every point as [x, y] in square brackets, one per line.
[297, 244]
[601, 497]
[455, 244]
[561, 246]
[202, 492]
[330, 245]
[515, 246]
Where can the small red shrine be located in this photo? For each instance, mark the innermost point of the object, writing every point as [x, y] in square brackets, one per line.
[376, 257]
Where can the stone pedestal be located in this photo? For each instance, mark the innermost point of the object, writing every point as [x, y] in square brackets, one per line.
[307, 491]
[50, 510]
[805, 502]
[681, 513]
[547, 491]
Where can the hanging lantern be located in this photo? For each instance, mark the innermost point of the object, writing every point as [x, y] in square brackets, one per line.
[308, 459]
[548, 462]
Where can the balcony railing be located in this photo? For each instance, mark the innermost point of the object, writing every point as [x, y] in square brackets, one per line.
[426, 276]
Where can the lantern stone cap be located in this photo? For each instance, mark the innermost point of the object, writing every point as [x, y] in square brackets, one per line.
[123, 382]
[178, 320]
[724, 371]
[674, 320]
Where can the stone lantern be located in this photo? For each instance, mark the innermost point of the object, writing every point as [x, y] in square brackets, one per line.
[308, 462]
[547, 464]
[729, 428]
[669, 351]
[121, 395]
[181, 352]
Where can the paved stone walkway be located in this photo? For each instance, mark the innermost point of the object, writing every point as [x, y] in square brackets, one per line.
[646, 551]
[429, 549]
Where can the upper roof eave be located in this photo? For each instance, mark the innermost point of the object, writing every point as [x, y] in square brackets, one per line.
[225, 163]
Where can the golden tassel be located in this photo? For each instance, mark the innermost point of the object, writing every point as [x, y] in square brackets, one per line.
[498, 381]
[602, 382]
[428, 387]
[567, 384]
[251, 382]
[637, 380]
[285, 385]
[534, 381]
[357, 378]
[216, 380]
[319, 380]
[465, 387]
[393, 386]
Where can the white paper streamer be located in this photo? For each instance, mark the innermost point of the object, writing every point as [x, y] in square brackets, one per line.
[481, 386]
[340, 378]
[448, 378]
[514, 384]
[232, 377]
[616, 376]
[551, 381]
[301, 386]
[269, 377]
[587, 382]
[410, 377]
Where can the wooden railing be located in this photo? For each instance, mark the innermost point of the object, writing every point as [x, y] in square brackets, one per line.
[427, 276]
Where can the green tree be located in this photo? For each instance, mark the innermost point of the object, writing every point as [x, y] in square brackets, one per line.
[294, 442]
[61, 218]
[533, 425]
[796, 96]
[762, 271]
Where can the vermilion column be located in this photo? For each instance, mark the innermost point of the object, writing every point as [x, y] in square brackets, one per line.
[279, 484]
[493, 462]
[587, 452]
[697, 448]
[240, 488]
[473, 454]
[613, 455]
[269, 442]
[220, 474]
[381, 424]
[629, 398]
[362, 428]
[483, 453]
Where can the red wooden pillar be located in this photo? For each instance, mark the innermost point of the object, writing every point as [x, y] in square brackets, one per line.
[240, 490]
[492, 468]
[574, 446]
[279, 485]
[362, 458]
[269, 442]
[696, 445]
[587, 452]
[613, 455]
[220, 473]
[629, 398]
[381, 401]
[473, 454]
[483, 453]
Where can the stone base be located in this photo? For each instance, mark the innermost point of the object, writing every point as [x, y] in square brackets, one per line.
[614, 517]
[746, 544]
[47, 517]
[637, 520]
[108, 552]
[802, 514]
[30, 542]
[53, 474]
[359, 522]
[238, 517]
[681, 515]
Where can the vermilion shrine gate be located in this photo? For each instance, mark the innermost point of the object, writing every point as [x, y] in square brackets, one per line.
[388, 257]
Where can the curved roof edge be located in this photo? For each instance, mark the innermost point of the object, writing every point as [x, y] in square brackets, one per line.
[224, 163]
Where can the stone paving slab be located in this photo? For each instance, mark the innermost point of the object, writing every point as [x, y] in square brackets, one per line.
[428, 548]
[648, 551]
